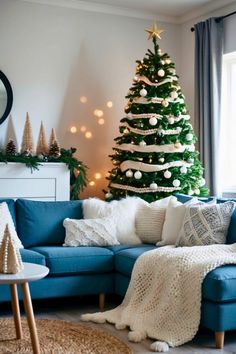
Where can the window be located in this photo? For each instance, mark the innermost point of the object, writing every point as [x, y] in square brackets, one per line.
[228, 126]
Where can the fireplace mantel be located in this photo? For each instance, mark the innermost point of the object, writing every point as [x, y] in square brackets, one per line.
[50, 183]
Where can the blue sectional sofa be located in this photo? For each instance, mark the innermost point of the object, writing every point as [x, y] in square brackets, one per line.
[102, 270]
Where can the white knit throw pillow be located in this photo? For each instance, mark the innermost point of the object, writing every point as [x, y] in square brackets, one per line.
[150, 218]
[205, 224]
[90, 232]
[6, 218]
[175, 213]
[121, 211]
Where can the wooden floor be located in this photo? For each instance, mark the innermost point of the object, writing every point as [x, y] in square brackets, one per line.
[71, 310]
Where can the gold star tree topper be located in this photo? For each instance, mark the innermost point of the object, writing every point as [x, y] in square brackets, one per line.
[154, 31]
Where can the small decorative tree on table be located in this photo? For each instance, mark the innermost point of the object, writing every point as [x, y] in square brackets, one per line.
[155, 155]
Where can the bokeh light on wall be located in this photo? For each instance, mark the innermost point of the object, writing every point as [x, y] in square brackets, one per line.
[101, 121]
[88, 135]
[97, 175]
[92, 183]
[73, 130]
[83, 129]
[83, 99]
[109, 104]
[98, 113]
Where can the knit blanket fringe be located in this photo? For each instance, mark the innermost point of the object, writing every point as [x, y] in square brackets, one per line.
[163, 300]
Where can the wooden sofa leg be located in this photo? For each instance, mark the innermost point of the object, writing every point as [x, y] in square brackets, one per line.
[219, 339]
[101, 301]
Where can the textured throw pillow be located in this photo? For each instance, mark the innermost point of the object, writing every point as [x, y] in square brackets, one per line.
[150, 218]
[174, 219]
[90, 232]
[6, 218]
[205, 224]
[122, 213]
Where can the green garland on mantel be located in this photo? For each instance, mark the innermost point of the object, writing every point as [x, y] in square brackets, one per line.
[78, 171]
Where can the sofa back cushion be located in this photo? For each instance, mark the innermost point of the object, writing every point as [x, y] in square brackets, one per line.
[41, 223]
[11, 207]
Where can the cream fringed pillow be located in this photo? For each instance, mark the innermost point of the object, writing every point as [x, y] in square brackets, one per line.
[5, 218]
[205, 224]
[150, 218]
[90, 232]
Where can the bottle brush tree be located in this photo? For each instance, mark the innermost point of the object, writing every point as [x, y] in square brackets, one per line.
[155, 154]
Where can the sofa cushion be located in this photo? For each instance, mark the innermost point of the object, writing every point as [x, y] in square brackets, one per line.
[11, 207]
[231, 235]
[125, 259]
[41, 223]
[220, 284]
[32, 257]
[76, 260]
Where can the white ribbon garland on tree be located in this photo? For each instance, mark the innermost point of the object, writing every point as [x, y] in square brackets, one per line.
[144, 100]
[167, 148]
[131, 116]
[145, 167]
[143, 190]
[152, 131]
[150, 83]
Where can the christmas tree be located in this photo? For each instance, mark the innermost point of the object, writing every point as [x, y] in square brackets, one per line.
[155, 155]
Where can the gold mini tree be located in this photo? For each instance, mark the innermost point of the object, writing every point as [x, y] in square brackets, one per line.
[10, 258]
[27, 145]
[42, 148]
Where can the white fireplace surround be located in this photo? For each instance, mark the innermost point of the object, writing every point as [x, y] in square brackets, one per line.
[50, 183]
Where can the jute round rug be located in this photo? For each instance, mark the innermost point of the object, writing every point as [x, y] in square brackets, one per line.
[60, 337]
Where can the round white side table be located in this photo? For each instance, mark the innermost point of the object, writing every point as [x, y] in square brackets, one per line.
[31, 272]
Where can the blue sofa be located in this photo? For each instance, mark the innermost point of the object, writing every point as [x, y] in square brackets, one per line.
[103, 270]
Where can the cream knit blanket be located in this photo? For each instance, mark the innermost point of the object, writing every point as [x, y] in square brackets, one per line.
[163, 300]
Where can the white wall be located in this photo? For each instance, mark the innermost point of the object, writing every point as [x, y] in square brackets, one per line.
[187, 50]
[54, 55]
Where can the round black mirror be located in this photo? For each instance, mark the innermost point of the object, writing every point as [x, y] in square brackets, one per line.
[6, 97]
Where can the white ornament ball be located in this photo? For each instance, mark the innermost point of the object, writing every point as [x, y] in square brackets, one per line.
[162, 62]
[167, 61]
[153, 121]
[129, 115]
[135, 78]
[161, 73]
[137, 175]
[183, 169]
[161, 159]
[197, 191]
[129, 174]
[179, 129]
[174, 94]
[167, 174]
[189, 137]
[176, 183]
[108, 195]
[190, 160]
[165, 103]
[202, 182]
[153, 186]
[190, 192]
[142, 143]
[171, 120]
[143, 92]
